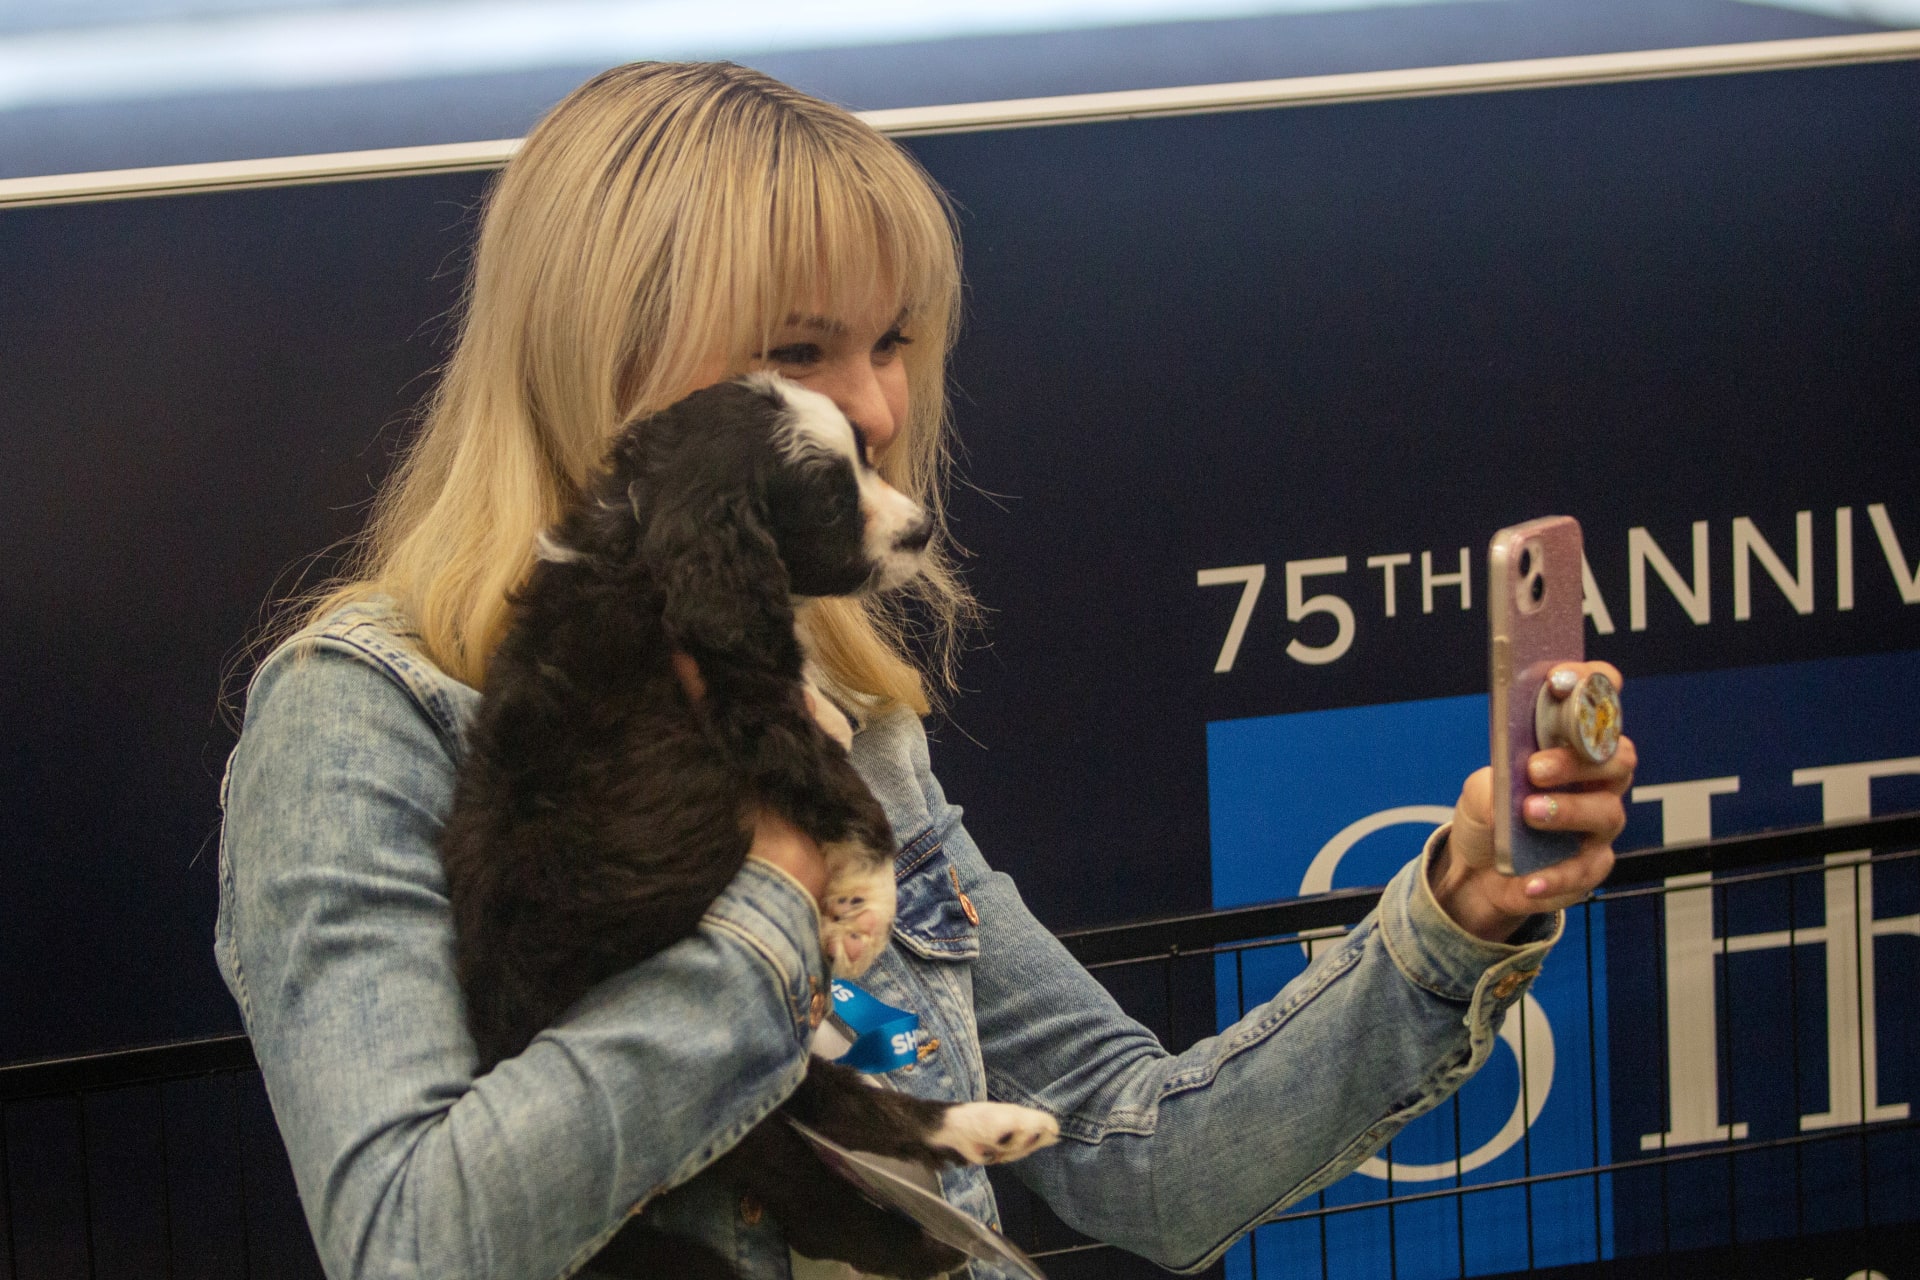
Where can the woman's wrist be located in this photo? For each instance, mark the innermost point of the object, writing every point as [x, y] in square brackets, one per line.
[1453, 885]
[782, 844]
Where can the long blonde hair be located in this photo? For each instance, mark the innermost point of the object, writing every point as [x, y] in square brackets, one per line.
[662, 213]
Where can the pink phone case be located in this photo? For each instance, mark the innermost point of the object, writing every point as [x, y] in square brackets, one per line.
[1535, 601]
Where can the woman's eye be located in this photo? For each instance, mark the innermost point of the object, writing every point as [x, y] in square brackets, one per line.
[794, 353]
[890, 344]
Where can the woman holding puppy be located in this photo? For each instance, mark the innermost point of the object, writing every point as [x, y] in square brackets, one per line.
[666, 227]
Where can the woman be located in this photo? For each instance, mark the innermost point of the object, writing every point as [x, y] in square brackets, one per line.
[665, 227]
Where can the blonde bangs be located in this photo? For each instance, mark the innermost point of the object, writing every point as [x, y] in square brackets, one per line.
[662, 216]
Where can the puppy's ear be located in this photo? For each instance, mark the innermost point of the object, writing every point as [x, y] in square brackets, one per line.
[719, 572]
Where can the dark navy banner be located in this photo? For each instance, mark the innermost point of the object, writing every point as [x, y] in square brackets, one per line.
[1241, 397]
[1244, 397]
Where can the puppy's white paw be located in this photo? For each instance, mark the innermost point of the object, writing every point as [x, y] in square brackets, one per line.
[857, 915]
[994, 1132]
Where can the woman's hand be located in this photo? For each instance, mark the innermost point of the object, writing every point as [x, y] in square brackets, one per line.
[1587, 799]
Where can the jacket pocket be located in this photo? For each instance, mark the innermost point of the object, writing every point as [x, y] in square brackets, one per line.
[932, 918]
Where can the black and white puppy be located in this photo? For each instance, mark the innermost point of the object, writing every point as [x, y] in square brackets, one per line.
[601, 809]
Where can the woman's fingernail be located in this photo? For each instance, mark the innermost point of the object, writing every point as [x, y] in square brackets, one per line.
[1542, 771]
[1537, 887]
[1563, 681]
[1543, 808]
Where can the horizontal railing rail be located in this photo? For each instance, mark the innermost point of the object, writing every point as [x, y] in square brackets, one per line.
[1107, 945]
[1163, 936]
[123, 1068]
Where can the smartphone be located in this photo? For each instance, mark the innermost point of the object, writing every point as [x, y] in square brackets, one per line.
[1536, 621]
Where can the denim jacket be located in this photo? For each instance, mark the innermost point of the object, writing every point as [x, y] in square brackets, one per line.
[336, 940]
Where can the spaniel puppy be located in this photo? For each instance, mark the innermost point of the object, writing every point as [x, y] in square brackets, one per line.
[601, 809]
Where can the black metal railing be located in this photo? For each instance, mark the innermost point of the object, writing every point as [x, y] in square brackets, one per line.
[162, 1160]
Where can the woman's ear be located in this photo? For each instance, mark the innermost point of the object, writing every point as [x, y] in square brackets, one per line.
[723, 586]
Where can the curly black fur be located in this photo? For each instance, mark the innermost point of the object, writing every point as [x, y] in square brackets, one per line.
[600, 810]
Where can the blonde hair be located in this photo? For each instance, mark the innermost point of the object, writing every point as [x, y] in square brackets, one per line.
[661, 214]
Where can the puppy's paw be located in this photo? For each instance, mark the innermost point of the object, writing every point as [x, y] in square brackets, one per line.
[856, 917]
[994, 1132]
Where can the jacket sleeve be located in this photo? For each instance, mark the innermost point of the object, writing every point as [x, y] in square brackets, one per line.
[1176, 1157]
[335, 937]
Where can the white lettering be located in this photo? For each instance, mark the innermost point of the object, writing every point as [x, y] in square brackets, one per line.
[1843, 558]
[1909, 583]
[1693, 1037]
[1853, 1069]
[1642, 551]
[1429, 580]
[1592, 603]
[1298, 609]
[1750, 545]
[1387, 565]
[1254, 576]
[1847, 932]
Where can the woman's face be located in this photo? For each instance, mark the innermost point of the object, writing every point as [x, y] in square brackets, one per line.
[854, 360]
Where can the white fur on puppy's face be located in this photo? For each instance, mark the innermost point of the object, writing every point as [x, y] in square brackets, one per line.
[896, 526]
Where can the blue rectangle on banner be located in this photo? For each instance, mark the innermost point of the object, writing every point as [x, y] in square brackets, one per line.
[1326, 799]
[1303, 803]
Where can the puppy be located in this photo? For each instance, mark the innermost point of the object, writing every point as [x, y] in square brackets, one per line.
[601, 809]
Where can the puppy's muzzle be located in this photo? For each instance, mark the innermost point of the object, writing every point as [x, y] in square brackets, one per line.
[915, 537]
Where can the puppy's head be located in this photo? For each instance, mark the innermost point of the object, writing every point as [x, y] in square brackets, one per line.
[840, 528]
[754, 491]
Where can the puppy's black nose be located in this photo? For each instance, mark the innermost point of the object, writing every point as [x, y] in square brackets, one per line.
[916, 536]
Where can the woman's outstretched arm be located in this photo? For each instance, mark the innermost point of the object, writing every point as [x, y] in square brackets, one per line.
[1175, 1157]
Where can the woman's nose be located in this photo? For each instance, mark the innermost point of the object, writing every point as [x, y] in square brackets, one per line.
[859, 392]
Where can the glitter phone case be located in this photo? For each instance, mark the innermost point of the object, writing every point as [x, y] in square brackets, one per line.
[1535, 603]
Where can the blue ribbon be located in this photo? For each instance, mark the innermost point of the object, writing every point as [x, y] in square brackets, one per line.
[883, 1036]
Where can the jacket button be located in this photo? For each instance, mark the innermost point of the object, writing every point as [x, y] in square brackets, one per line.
[966, 903]
[751, 1211]
[817, 1009]
[1511, 983]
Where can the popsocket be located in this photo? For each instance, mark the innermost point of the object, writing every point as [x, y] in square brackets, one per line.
[1586, 721]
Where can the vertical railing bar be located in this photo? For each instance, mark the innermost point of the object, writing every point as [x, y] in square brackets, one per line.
[1393, 1241]
[6, 1195]
[1725, 989]
[1862, 939]
[1166, 974]
[86, 1181]
[1666, 1065]
[1240, 1003]
[1793, 1043]
[240, 1166]
[166, 1178]
[1321, 1221]
[1526, 1122]
[1460, 1195]
[1593, 1079]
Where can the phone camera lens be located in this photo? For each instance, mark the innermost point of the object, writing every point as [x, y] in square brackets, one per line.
[1537, 589]
[1526, 561]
